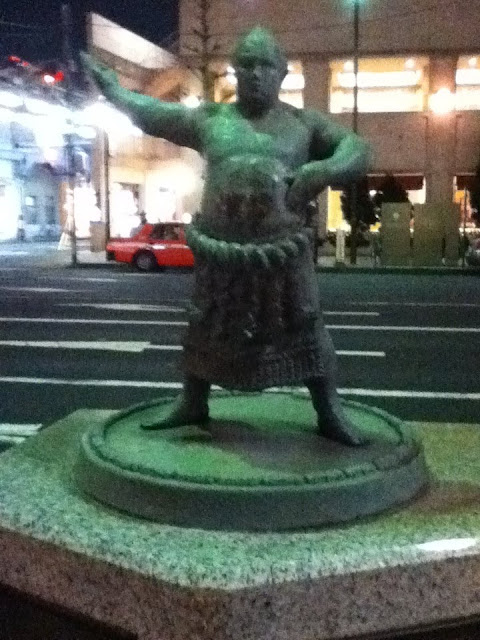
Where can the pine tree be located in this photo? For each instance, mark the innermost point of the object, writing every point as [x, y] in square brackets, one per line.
[390, 191]
[202, 48]
[475, 196]
[365, 208]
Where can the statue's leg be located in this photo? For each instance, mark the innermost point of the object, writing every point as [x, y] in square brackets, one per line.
[191, 406]
[333, 422]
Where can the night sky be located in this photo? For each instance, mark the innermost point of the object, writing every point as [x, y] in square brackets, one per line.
[31, 29]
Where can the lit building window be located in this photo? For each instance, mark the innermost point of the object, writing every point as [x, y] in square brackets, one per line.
[291, 91]
[384, 85]
[468, 83]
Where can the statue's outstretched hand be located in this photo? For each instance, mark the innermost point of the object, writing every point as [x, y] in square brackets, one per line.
[105, 79]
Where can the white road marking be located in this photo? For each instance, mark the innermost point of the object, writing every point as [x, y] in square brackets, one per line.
[165, 347]
[79, 279]
[351, 313]
[139, 384]
[133, 346]
[12, 252]
[162, 323]
[365, 354]
[43, 290]
[126, 307]
[454, 305]
[99, 345]
[399, 393]
[148, 384]
[366, 327]
[11, 440]
[19, 430]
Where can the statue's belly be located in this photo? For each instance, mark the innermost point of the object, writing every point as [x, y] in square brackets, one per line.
[244, 199]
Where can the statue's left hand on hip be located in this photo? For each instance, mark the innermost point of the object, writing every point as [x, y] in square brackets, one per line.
[306, 184]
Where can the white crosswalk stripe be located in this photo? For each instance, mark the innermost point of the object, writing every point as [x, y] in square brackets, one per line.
[11, 434]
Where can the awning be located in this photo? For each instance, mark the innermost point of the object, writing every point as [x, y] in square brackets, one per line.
[465, 181]
[410, 182]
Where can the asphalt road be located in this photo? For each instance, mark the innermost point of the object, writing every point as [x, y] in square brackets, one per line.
[107, 337]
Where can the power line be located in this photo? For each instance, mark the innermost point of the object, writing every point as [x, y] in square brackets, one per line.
[19, 25]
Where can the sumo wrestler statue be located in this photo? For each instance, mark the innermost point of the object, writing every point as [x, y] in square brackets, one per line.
[255, 317]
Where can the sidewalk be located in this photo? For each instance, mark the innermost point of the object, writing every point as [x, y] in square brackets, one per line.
[48, 255]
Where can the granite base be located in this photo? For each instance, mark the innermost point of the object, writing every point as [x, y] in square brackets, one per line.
[415, 567]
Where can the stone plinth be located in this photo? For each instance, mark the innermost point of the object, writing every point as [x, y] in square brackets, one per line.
[259, 464]
[419, 565]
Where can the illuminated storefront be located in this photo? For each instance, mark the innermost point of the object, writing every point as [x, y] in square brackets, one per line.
[384, 85]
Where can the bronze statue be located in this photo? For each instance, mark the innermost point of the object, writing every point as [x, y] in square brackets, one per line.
[255, 319]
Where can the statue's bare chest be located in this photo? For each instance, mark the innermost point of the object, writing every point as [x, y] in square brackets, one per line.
[281, 136]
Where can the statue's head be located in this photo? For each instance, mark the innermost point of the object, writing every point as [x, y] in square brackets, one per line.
[261, 66]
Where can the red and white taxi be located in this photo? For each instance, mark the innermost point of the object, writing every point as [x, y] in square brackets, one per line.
[154, 246]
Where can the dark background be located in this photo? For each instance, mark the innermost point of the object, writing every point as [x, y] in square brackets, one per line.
[32, 29]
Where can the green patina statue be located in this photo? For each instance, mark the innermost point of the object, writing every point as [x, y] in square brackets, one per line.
[255, 319]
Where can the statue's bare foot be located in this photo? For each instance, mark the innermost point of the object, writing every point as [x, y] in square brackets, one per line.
[181, 416]
[335, 425]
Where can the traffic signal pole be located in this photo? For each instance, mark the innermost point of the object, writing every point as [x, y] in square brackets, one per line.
[69, 81]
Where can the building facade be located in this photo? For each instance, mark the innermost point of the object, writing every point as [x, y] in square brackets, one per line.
[135, 173]
[418, 79]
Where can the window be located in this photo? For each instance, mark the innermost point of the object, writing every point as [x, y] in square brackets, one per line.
[468, 83]
[31, 210]
[166, 232]
[50, 210]
[384, 85]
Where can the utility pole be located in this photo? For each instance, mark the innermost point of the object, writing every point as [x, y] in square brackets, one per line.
[205, 52]
[106, 177]
[354, 186]
[70, 164]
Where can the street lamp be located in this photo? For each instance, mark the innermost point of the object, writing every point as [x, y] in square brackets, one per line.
[354, 189]
[356, 42]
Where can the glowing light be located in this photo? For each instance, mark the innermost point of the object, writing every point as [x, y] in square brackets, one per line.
[450, 544]
[48, 79]
[473, 62]
[368, 79]
[5, 115]
[410, 63]
[293, 82]
[10, 100]
[34, 105]
[104, 116]
[187, 218]
[348, 66]
[86, 132]
[191, 101]
[467, 76]
[442, 102]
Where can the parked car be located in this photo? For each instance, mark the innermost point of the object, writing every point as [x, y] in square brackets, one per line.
[154, 246]
[472, 254]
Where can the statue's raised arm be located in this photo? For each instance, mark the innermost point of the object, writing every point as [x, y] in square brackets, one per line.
[173, 121]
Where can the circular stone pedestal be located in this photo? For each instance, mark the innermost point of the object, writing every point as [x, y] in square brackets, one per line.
[258, 464]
